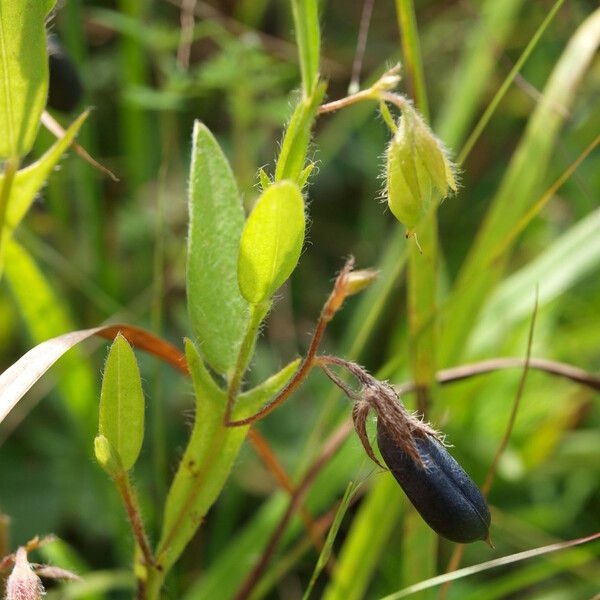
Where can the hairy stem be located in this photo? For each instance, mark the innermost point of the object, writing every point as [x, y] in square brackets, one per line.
[257, 314]
[331, 306]
[134, 516]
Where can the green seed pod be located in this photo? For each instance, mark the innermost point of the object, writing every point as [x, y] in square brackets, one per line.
[404, 194]
[445, 496]
[417, 167]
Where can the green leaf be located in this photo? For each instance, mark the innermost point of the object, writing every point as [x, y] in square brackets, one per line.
[23, 73]
[218, 313]
[30, 180]
[249, 402]
[308, 38]
[271, 241]
[292, 157]
[210, 454]
[122, 403]
[45, 316]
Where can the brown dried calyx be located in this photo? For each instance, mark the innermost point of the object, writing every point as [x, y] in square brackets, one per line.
[403, 427]
[24, 581]
[438, 487]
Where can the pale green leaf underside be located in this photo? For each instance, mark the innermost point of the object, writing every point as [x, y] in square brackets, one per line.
[218, 313]
[23, 73]
[210, 454]
[122, 403]
[271, 241]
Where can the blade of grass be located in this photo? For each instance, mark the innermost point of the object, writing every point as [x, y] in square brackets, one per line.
[134, 123]
[476, 66]
[370, 530]
[491, 564]
[87, 187]
[18, 379]
[493, 105]
[571, 257]
[517, 190]
[333, 531]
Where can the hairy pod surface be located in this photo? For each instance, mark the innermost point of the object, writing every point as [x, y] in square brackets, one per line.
[445, 496]
[417, 170]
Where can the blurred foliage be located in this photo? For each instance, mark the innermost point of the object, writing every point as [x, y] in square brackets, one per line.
[117, 251]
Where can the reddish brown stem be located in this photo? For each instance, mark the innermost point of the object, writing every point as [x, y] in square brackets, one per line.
[330, 448]
[134, 517]
[333, 304]
[454, 374]
[268, 456]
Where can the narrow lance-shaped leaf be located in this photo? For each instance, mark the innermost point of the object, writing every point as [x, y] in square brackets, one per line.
[271, 241]
[23, 73]
[218, 313]
[122, 404]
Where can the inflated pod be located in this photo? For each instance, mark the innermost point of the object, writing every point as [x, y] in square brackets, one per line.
[65, 90]
[445, 496]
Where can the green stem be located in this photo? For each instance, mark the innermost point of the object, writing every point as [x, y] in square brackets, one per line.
[257, 314]
[411, 50]
[422, 266]
[11, 166]
[153, 585]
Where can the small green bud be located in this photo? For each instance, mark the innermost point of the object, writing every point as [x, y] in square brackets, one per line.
[418, 169]
[107, 456]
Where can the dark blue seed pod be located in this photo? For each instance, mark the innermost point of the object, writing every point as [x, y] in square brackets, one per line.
[445, 496]
[65, 90]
